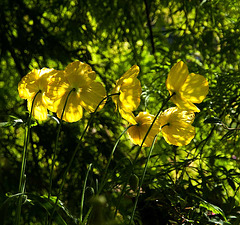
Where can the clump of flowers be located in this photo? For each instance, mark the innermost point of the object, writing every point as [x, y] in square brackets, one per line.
[62, 91]
[67, 92]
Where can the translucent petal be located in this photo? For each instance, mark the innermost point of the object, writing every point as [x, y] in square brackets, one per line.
[79, 74]
[73, 110]
[178, 133]
[132, 72]
[91, 96]
[58, 86]
[129, 116]
[22, 90]
[130, 93]
[177, 76]
[138, 132]
[39, 108]
[134, 135]
[195, 88]
[45, 78]
[184, 104]
[175, 114]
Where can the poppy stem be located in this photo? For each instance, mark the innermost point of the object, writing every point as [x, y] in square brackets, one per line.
[155, 118]
[22, 181]
[55, 148]
[141, 181]
[110, 158]
[139, 150]
[75, 152]
[83, 193]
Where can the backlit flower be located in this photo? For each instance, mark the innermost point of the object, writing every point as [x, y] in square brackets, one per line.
[176, 126]
[188, 88]
[35, 84]
[142, 123]
[75, 86]
[129, 89]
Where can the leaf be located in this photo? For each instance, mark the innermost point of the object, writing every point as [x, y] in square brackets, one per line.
[54, 118]
[13, 121]
[43, 202]
[213, 208]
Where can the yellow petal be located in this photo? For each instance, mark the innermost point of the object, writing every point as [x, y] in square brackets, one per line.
[39, 111]
[92, 95]
[195, 88]
[138, 132]
[129, 116]
[22, 90]
[177, 76]
[130, 93]
[178, 133]
[175, 114]
[73, 110]
[184, 104]
[134, 135]
[58, 86]
[79, 74]
[132, 72]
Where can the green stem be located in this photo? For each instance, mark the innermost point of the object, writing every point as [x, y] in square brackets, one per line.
[155, 118]
[56, 145]
[141, 181]
[110, 158]
[76, 150]
[22, 181]
[139, 150]
[83, 193]
[55, 148]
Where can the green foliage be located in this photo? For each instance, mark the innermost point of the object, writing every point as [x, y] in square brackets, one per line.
[195, 184]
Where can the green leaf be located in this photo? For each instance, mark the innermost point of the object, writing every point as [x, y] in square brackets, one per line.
[213, 208]
[13, 121]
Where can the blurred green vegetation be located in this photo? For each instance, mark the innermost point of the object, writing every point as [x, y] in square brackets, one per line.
[195, 184]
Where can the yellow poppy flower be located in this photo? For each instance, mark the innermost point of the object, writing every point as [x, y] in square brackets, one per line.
[188, 88]
[34, 83]
[77, 78]
[142, 123]
[129, 89]
[176, 126]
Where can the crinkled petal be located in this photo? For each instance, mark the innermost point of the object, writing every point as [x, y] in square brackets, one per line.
[116, 90]
[176, 114]
[58, 86]
[178, 133]
[132, 72]
[39, 111]
[195, 88]
[177, 76]
[134, 135]
[22, 90]
[138, 132]
[45, 77]
[184, 104]
[129, 116]
[92, 95]
[130, 93]
[79, 74]
[73, 110]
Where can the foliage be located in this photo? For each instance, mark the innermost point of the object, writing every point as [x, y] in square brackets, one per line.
[193, 184]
